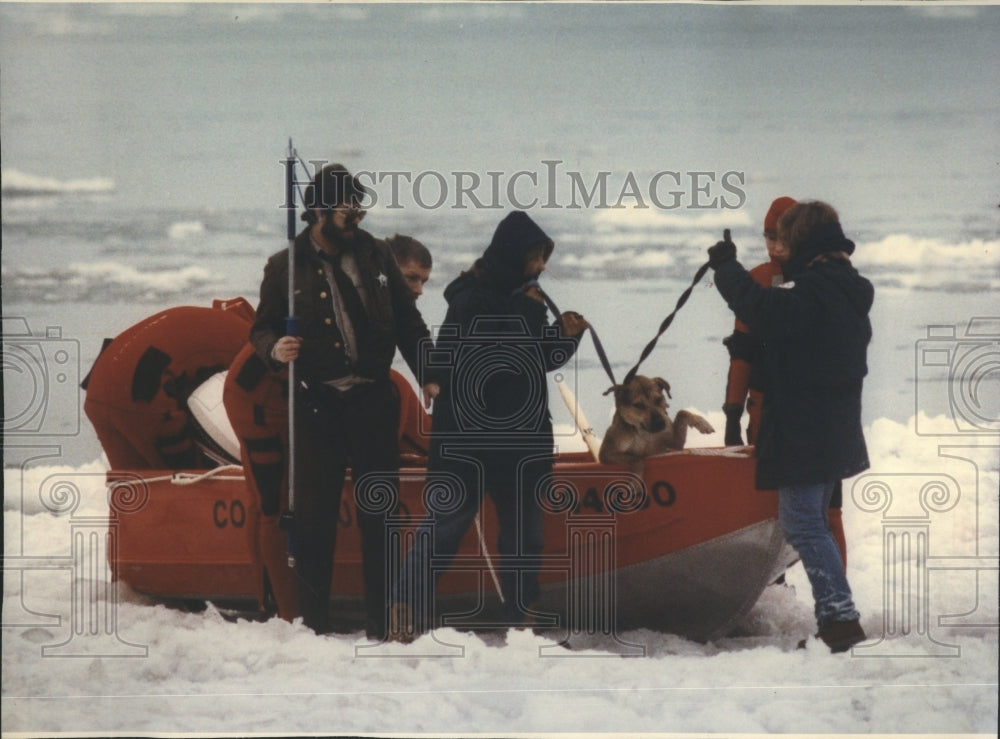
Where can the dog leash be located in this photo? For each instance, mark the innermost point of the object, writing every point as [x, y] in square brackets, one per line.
[598, 347]
[666, 323]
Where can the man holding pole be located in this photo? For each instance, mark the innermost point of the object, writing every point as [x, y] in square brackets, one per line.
[353, 309]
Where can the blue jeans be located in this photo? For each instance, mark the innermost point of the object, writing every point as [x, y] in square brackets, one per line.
[802, 513]
[439, 535]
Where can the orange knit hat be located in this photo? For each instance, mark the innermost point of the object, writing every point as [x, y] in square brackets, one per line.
[777, 209]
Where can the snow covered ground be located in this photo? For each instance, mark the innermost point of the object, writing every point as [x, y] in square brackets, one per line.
[929, 667]
[129, 188]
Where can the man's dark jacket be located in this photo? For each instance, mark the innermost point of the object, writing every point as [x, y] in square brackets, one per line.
[816, 332]
[393, 318]
[491, 359]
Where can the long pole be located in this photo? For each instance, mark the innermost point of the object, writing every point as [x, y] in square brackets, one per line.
[489, 559]
[291, 329]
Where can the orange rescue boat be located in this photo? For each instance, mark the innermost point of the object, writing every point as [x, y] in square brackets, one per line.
[686, 547]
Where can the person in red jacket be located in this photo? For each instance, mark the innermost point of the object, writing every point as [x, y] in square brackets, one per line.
[414, 260]
[415, 263]
[744, 385]
[256, 401]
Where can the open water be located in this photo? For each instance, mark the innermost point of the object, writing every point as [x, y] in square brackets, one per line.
[142, 168]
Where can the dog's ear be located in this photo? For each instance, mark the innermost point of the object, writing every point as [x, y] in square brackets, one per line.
[621, 393]
[664, 386]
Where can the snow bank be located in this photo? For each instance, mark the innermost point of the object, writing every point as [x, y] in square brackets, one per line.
[931, 671]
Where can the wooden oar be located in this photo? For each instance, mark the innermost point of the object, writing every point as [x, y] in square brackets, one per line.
[586, 430]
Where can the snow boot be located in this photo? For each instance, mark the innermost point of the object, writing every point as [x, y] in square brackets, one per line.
[273, 548]
[841, 635]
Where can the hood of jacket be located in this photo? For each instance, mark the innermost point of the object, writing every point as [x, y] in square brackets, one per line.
[502, 265]
[829, 239]
[460, 284]
[515, 236]
[825, 239]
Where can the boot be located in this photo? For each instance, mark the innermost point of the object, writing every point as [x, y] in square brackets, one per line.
[841, 635]
[274, 554]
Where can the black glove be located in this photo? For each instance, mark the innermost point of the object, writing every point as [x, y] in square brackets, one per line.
[734, 412]
[721, 253]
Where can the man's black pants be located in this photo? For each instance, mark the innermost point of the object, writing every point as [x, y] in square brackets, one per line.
[332, 430]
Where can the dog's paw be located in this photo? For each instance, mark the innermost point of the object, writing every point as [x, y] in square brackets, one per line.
[702, 425]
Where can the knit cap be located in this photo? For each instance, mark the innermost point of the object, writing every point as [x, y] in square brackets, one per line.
[777, 209]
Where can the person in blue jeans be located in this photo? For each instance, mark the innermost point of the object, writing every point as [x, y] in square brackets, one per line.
[492, 430]
[816, 331]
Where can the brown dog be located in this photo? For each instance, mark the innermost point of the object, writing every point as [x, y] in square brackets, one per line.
[642, 427]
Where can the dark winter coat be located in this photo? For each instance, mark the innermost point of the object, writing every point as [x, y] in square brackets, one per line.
[816, 332]
[491, 359]
[393, 318]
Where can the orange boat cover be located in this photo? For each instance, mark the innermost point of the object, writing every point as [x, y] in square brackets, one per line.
[138, 387]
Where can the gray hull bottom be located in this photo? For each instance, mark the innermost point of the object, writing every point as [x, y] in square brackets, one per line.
[700, 592]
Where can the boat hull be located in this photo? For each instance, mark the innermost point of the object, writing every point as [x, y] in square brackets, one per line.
[687, 547]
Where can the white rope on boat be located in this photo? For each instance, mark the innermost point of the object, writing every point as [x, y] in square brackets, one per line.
[186, 478]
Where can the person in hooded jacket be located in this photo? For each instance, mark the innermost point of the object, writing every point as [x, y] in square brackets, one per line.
[492, 430]
[816, 330]
[745, 381]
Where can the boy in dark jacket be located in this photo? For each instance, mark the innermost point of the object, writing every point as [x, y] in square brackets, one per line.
[744, 382]
[492, 431]
[816, 330]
